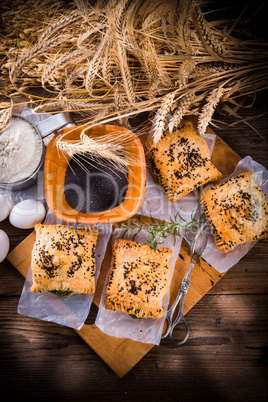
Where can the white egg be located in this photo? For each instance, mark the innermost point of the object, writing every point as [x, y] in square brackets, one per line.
[4, 245]
[26, 214]
[5, 207]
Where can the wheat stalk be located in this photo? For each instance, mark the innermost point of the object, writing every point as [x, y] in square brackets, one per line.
[119, 105]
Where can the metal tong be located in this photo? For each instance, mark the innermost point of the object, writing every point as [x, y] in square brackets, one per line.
[203, 234]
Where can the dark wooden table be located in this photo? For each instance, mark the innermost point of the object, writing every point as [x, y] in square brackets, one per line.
[225, 358]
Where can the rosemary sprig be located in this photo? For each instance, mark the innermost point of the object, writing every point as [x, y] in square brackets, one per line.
[157, 230]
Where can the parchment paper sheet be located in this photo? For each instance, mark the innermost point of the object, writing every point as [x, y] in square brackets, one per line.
[70, 311]
[221, 261]
[121, 325]
[156, 203]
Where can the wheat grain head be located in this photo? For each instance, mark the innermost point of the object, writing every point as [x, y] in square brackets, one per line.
[209, 108]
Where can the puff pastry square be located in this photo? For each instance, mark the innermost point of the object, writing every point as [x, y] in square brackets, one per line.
[139, 279]
[180, 162]
[63, 259]
[237, 211]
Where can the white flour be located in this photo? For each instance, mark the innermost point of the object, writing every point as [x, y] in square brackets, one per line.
[20, 151]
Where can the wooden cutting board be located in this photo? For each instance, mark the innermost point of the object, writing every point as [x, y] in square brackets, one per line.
[122, 355]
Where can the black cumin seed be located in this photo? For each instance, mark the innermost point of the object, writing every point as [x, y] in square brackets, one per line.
[103, 188]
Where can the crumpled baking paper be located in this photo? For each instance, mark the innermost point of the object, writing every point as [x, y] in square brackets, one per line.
[122, 325]
[69, 311]
[223, 261]
[155, 201]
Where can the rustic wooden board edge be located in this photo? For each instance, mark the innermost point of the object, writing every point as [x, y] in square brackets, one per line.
[120, 360]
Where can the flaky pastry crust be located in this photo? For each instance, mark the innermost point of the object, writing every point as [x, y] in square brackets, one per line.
[63, 259]
[237, 211]
[139, 278]
[180, 161]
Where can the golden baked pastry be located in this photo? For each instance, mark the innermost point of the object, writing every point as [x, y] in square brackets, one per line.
[237, 211]
[139, 279]
[63, 259]
[180, 161]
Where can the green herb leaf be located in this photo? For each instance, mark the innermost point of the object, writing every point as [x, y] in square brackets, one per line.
[135, 317]
[60, 293]
[157, 230]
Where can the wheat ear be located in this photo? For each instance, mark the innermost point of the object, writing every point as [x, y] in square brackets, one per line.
[182, 25]
[66, 104]
[5, 118]
[207, 36]
[161, 117]
[48, 73]
[107, 63]
[209, 108]
[215, 67]
[120, 12]
[183, 108]
[109, 147]
[43, 41]
[126, 76]
[94, 67]
[186, 68]
[83, 8]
